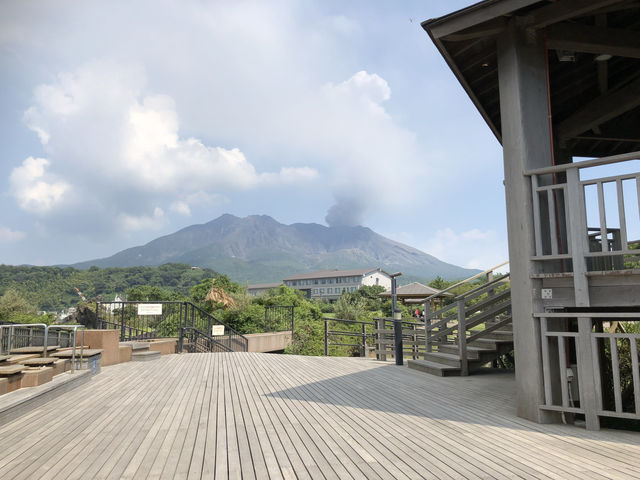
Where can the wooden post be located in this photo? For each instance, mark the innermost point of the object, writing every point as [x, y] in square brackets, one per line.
[462, 339]
[364, 340]
[427, 324]
[380, 337]
[584, 346]
[526, 141]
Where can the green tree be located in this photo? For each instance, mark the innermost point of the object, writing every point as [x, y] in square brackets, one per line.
[13, 304]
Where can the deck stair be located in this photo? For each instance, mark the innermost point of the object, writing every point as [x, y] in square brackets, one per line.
[483, 315]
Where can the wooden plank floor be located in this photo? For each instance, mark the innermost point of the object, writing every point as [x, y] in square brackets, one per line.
[255, 416]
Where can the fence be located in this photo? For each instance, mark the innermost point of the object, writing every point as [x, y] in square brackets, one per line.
[614, 394]
[196, 329]
[278, 318]
[413, 339]
[362, 333]
[563, 208]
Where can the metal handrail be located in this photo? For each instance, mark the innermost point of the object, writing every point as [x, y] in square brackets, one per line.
[462, 282]
[75, 337]
[14, 325]
[45, 342]
[219, 322]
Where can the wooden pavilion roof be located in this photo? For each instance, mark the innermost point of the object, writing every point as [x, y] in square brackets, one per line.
[595, 103]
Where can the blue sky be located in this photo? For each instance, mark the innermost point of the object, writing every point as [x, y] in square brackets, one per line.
[125, 121]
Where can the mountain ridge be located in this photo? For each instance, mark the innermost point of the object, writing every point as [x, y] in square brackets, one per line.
[259, 249]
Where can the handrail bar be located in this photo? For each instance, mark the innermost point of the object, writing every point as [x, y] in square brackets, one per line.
[73, 349]
[470, 295]
[406, 322]
[347, 321]
[462, 282]
[596, 162]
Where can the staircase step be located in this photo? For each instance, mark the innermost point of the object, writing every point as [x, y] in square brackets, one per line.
[500, 335]
[137, 346]
[145, 356]
[443, 358]
[473, 353]
[433, 368]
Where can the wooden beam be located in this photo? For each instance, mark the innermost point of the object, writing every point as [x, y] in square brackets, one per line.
[560, 11]
[601, 110]
[472, 16]
[487, 29]
[596, 40]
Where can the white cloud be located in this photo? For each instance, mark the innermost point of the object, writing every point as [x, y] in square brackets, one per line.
[109, 140]
[7, 235]
[473, 248]
[35, 190]
[132, 223]
[181, 207]
[369, 88]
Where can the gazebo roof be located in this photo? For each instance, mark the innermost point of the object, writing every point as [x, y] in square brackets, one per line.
[594, 65]
[415, 290]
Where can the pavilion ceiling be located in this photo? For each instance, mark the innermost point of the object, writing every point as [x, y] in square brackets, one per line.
[593, 58]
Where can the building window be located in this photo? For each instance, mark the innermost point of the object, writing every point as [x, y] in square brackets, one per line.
[323, 281]
[377, 280]
[339, 280]
[322, 291]
[329, 290]
[315, 282]
[315, 291]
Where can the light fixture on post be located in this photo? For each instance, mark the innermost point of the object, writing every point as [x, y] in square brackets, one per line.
[603, 57]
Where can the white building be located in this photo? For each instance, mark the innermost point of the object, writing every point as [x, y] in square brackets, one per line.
[331, 284]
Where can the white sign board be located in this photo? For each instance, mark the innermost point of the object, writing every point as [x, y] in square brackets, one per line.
[217, 330]
[149, 309]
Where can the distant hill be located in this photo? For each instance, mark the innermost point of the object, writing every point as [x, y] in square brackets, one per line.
[53, 288]
[258, 249]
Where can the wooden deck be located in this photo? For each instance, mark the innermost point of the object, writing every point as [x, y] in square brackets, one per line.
[252, 415]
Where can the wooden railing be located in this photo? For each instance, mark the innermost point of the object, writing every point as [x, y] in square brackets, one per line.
[562, 204]
[471, 316]
[564, 392]
[413, 339]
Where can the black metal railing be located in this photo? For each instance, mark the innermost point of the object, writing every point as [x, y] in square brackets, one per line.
[201, 325]
[339, 332]
[195, 328]
[278, 318]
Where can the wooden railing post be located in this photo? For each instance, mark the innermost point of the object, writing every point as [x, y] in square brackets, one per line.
[364, 340]
[462, 339]
[427, 324]
[381, 346]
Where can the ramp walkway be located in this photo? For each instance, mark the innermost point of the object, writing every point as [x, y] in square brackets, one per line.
[252, 415]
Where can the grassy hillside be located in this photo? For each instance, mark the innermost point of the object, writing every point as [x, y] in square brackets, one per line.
[52, 288]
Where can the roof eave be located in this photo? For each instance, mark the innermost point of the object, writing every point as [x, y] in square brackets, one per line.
[475, 14]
